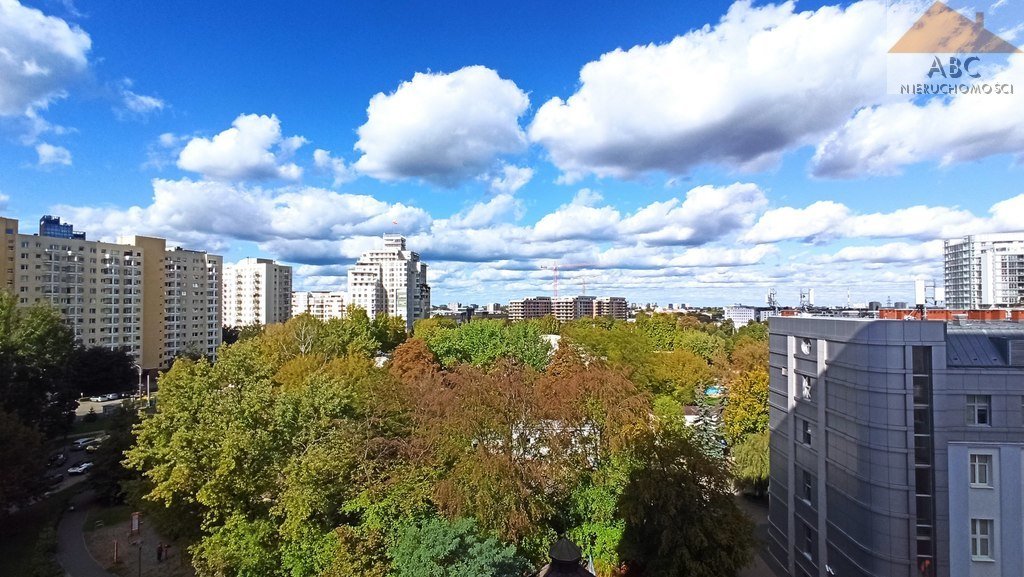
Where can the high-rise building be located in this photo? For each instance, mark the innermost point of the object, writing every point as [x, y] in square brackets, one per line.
[739, 315]
[257, 291]
[614, 307]
[323, 305]
[897, 447]
[391, 280]
[132, 294]
[567, 309]
[529, 308]
[193, 303]
[985, 270]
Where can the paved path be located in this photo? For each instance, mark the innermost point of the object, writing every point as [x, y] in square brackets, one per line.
[758, 513]
[72, 553]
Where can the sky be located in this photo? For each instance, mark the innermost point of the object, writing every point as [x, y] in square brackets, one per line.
[663, 151]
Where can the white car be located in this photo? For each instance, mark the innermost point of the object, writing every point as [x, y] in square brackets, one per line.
[80, 469]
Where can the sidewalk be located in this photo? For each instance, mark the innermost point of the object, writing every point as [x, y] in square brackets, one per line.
[72, 554]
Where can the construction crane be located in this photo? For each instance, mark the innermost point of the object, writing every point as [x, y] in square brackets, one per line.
[557, 266]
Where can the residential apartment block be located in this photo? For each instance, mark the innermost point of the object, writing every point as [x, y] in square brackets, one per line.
[134, 293]
[323, 305]
[739, 315]
[567, 309]
[985, 270]
[257, 291]
[897, 447]
[391, 280]
[529, 308]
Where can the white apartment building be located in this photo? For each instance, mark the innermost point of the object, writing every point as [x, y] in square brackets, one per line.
[739, 315]
[133, 294]
[257, 291]
[985, 270]
[192, 303]
[391, 280]
[322, 305]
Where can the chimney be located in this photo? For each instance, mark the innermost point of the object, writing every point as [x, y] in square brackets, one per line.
[979, 19]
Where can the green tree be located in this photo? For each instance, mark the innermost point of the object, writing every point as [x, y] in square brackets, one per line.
[680, 517]
[746, 406]
[109, 476]
[424, 328]
[706, 430]
[440, 548]
[389, 331]
[35, 350]
[750, 461]
[24, 462]
[707, 346]
[97, 370]
[481, 343]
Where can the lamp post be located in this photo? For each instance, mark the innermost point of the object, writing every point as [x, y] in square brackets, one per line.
[139, 369]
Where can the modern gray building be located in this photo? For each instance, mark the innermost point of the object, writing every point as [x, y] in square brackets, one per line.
[896, 448]
[985, 270]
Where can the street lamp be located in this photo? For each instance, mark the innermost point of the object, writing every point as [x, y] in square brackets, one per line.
[139, 369]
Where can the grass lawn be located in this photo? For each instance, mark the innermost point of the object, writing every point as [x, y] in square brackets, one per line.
[107, 516]
[19, 532]
[81, 427]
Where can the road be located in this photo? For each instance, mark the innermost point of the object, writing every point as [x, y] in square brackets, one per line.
[72, 553]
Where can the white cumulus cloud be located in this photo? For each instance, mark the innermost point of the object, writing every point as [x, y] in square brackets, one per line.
[336, 167]
[252, 149]
[50, 154]
[510, 179]
[761, 81]
[881, 140]
[40, 56]
[442, 128]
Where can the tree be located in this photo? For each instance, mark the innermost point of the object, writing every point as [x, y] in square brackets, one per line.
[440, 548]
[707, 346]
[389, 331]
[746, 406]
[680, 518]
[21, 453]
[750, 461]
[109, 475]
[97, 370]
[35, 350]
[706, 430]
[424, 328]
[481, 343]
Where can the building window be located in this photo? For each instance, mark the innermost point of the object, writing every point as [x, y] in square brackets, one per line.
[981, 470]
[805, 381]
[981, 539]
[979, 409]
[805, 346]
[808, 544]
[808, 484]
[806, 431]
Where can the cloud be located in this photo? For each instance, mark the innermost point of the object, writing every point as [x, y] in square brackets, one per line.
[883, 139]
[50, 154]
[244, 151]
[894, 252]
[341, 172]
[761, 81]
[202, 211]
[481, 215]
[510, 179]
[442, 128]
[825, 221]
[4, 200]
[138, 105]
[40, 56]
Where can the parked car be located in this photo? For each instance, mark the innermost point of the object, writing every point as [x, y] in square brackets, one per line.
[57, 460]
[97, 398]
[82, 443]
[80, 469]
[92, 448]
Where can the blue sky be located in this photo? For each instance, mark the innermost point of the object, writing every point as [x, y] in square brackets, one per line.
[672, 152]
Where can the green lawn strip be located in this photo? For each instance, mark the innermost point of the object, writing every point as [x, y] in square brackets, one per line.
[107, 516]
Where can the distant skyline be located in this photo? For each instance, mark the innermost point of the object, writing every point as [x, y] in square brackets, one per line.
[672, 152]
